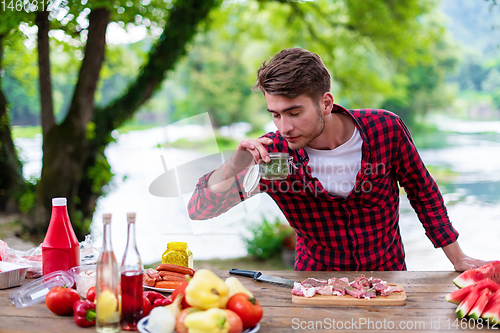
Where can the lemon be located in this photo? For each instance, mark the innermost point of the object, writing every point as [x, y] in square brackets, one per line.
[106, 308]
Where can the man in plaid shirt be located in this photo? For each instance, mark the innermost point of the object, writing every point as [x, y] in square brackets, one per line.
[342, 198]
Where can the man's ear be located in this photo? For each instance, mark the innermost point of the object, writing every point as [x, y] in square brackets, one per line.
[327, 101]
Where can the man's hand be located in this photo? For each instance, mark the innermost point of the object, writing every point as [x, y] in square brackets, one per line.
[256, 148]
[466, 263]
[223, 178]
[460, 261]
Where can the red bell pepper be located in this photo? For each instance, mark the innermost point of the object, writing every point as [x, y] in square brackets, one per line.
[162, 301]
[157, 299]
[84, 313]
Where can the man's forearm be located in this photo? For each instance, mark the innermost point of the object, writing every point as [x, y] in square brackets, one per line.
[223, 178]
[453, 252]
[459, 259]
[218, 183]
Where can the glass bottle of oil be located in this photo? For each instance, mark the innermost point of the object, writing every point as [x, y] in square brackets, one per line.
[177, 253]
[108, 277]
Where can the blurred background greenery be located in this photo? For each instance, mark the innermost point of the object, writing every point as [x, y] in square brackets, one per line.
[445, 58]
[417, 58]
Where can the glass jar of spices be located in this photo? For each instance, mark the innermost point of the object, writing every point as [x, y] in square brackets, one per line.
[177, 253]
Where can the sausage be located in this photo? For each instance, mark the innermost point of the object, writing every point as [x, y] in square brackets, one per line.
[147, 281]
[168, 284]
[175, 268]
[164, 274]
[153, 274]
[174, 278]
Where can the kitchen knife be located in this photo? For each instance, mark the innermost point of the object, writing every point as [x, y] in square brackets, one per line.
[258, 276]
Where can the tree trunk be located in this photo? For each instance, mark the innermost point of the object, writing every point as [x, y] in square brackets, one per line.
[11, 175]
[66, 145]
[182, 24]
[47, 108]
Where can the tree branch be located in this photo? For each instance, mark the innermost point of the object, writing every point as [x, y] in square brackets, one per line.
[47, 106]
[82, 104]
[11, 177]
[182, 24]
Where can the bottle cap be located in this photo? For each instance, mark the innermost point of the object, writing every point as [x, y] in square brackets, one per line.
[131, 217]
[177, 245]
[106, 217]
[59, 201]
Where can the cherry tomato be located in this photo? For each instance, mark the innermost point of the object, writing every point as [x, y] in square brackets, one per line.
[247, 308]
[181, 289]
[235, 323]
[60, 300]
[91, 294]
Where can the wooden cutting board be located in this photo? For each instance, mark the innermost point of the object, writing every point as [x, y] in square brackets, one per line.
[394, 299]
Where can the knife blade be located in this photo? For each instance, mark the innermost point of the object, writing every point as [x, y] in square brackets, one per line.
[258, 276]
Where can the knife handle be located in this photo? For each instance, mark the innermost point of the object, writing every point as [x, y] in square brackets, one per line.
[244, 272]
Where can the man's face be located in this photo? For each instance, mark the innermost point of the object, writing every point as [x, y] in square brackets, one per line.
[299, 120]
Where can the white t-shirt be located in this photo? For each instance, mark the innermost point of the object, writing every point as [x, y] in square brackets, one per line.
[337, 169]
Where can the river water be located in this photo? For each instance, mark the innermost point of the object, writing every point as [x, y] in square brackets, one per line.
[470, 149]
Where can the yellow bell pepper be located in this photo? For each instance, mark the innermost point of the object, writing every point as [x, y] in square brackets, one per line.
[235, 287]
[206, 290]
[211, 321]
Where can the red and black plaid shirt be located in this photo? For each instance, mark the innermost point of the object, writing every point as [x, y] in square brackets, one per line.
[360, 232]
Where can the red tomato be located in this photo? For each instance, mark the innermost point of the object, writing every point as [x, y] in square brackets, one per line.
[181, 289]
[146, 306]
[180, 327]
[247, 308]
[91, 294]
[60, 300]
[235, 323]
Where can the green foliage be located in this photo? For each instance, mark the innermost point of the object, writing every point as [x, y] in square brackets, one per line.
[25, 131]
[496, 99]
[267, 238]
[27, 198]
[81, 224]
[100, 174]
[216, 80]
[90, 131]
[420, 86]
[380, 53]
[20, 80]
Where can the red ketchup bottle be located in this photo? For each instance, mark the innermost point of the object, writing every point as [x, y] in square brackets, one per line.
[60, 248]
[131, 280]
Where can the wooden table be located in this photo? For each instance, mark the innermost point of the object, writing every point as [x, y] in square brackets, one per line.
[425, 310]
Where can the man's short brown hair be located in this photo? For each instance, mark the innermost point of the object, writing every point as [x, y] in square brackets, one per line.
[293, 72]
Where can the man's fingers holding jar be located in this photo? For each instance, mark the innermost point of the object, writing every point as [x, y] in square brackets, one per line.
[256, 148]
[258, 151]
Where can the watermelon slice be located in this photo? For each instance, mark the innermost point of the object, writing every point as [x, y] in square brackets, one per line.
[489, 271]
[468, 303]
[492, 310]
[459, 295]
[480, 305]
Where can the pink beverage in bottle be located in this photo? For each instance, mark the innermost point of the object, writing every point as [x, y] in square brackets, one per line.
[60, 248]
[132, 300]
[131, 280]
